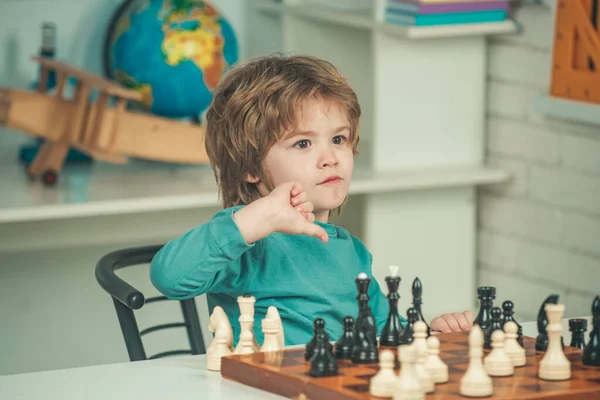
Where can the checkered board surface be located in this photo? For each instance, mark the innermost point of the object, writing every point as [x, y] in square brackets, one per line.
[286, 373]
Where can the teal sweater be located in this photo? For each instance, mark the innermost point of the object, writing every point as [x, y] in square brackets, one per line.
[300, 275]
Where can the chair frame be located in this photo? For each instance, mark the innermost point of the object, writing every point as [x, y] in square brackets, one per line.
[126, 299]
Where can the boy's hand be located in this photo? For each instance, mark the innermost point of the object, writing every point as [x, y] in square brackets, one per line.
[453, 322]
[286, 210]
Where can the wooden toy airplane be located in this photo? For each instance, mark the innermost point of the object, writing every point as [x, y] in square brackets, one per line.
[97, 129]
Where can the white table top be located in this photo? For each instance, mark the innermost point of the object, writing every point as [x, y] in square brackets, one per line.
[142, 186]
[178, 377]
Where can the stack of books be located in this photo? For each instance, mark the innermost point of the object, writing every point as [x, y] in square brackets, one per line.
[445, 12]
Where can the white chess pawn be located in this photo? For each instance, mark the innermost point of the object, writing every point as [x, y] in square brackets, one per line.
[476, 382]
[434, 364]
[271, 329]
[408, 385]
[273, 313]
[424, 375]
[512, 348]
[383, 384]
[554, 366]
[498, 363]
[245, 344]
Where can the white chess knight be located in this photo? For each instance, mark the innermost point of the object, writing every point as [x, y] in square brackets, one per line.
[476, 382]
[498, 363]
[383, 384]
[408, 385]
[222, 340]
[554, 366]
[512, 348]
[273, 314]
[434, 364]
[246, 305]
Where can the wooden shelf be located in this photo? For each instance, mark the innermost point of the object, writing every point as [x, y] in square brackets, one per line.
[106, 189]
[363, 19]
[578, 111]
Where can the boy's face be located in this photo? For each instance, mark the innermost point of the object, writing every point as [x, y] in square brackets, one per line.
[317, 154]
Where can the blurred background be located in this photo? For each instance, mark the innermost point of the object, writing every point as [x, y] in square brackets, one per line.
[477, 165]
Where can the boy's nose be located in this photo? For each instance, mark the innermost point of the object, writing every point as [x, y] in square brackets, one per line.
[328, 159]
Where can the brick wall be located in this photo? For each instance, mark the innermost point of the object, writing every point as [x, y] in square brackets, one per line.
[540, 233]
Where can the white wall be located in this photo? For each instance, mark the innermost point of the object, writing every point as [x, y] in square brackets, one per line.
[540, 234]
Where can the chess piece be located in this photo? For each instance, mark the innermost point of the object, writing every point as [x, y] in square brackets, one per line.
[498, 363]
[508, 315]
[365, 329]
[271, 328]
[591, 353]
[541, 341]
[408, 385]
[434, 364]
[417, 292]
[390, 334]
[476, 382]
[486, 296]
[318, 327]
[273, 313]
[246, 343]
[554, 366]
[222, 340]
[323, 362]
[512, 347]
[494, 325]
[578, 327]
[406, 335]
[420, 343]
[344, 345]
[246, 319]
[383, 383]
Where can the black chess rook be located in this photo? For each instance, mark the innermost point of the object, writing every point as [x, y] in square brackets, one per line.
[486, 296]
[577, 327]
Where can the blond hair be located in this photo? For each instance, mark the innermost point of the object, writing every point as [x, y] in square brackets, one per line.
[254, 104]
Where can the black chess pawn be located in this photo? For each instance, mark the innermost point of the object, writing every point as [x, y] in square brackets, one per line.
[507, 313]
[365, 328]
[591, 353]
[323, 362]
[486, 296]
[412, 316]
[541, 341]
[390, 334]
[319, 326]
[495, 324]
[344, 345]
[417, 291]
[577, 327]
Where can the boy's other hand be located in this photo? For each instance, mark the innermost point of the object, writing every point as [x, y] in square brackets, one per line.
[292, 213]
[453, 322]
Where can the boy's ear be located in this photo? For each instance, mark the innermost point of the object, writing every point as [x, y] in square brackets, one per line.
[252, 179]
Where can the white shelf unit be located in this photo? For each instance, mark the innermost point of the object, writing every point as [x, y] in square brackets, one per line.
[572, 110]
[422, 91]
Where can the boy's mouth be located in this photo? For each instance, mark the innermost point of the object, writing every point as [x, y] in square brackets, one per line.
[331, 179]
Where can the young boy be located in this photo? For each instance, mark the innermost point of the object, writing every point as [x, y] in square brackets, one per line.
[281, 135]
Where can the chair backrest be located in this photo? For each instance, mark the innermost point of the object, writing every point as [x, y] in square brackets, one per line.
[127, 299]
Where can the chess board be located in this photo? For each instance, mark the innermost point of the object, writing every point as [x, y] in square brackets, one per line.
[286, 373]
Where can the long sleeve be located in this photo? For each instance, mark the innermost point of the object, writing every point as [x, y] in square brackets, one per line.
[209, 258]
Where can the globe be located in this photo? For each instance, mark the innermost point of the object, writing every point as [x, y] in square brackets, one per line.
[173, 52]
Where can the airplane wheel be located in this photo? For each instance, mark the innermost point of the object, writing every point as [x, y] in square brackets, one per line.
[50, 178]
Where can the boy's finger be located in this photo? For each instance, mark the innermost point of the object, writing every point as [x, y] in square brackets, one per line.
[452, 323]
[298, 199]
[462, 321]
[296, 189]
[439, 324]
[305, 207]
[316, 231]
[469, 315]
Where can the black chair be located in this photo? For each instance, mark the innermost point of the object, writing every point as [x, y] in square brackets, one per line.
[127, 299]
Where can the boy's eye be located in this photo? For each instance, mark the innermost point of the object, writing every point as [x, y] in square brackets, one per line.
[339, 139]
[302, 144]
